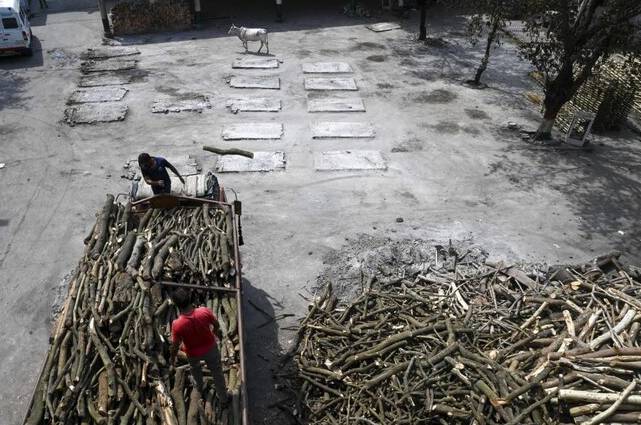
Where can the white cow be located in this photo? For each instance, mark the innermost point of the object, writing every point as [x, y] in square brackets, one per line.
[250, 34]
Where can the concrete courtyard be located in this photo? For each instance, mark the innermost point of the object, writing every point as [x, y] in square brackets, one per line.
[450, 168]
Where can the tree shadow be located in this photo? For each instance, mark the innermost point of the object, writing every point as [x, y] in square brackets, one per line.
[13, 84]
[602, 185]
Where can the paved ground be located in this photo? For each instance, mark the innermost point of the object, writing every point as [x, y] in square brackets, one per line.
[452, 170]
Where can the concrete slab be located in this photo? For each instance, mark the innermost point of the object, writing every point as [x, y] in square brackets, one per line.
[325, 83]
[353, 160]
[254, 63]
[182, 105]
[108, 65]
[255, 83]
[98, 94]
[383, 26]
[252, 131]
[258, 104]
[110, 52]
[336, 105]
[90, 113]
[326, 68]
[262, 162]
[340, 130]
[104, 79]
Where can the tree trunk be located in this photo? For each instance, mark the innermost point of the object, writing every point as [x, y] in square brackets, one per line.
[488, 49]
[422, 35]
[557, 93]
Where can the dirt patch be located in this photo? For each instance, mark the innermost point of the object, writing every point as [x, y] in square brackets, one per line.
[178, 94]
[437, 42]
[451, 127]
[385, 86]
[408, 62]
[368, 45]
[439, 96]
[329, 52]
[424, 75]
[376, 58]
[477, 114]
[303, 53]
[413, 144]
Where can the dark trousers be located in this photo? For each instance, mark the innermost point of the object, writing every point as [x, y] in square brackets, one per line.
[212, 359]
[165, 189]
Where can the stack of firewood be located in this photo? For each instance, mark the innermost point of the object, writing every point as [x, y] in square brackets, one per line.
[108, 360]
[475, 343]
[136, 17]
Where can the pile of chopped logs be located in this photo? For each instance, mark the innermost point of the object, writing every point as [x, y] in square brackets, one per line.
[108, 360]
[479, 344]
[140, 16]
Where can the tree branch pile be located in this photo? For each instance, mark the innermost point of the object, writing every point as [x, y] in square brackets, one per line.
[108, 359]
[475, 343]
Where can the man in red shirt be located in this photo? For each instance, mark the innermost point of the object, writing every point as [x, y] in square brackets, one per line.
[193, 329]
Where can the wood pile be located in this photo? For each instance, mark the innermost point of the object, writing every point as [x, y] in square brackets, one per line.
[611, 95]
[143, 16]
[475, 343]
[108, 359]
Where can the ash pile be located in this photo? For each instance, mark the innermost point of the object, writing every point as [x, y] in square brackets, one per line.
[405, 332]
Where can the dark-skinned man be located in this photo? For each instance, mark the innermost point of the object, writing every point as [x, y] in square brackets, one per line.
[154, 171]
[196, 329]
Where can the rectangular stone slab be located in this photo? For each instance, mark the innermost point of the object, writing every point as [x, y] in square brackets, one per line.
[326, 68]
[353, 160]
[106, 79]
[90, 113]
[252, 131]
[335, 105]
[186, 105]
[257, 104]
[111, 52]
[328, 83]
[383, 26]
[262, 161]
[108, 65]
[255, 83]
[98, 94]
[255, 63]
[339, 130]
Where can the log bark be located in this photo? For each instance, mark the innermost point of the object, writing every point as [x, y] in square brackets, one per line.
[103, 227]
[230, 151]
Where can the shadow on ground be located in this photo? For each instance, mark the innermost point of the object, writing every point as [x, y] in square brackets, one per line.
[262, 353]
[602, 185]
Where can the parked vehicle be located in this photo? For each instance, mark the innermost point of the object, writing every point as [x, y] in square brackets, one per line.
[15, 29]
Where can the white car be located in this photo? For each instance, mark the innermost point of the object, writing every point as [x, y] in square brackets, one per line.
[15, 29]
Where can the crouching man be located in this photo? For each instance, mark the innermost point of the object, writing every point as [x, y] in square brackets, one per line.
[196, 330]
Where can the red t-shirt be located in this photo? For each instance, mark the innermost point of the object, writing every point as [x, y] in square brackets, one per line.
[194, 332]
